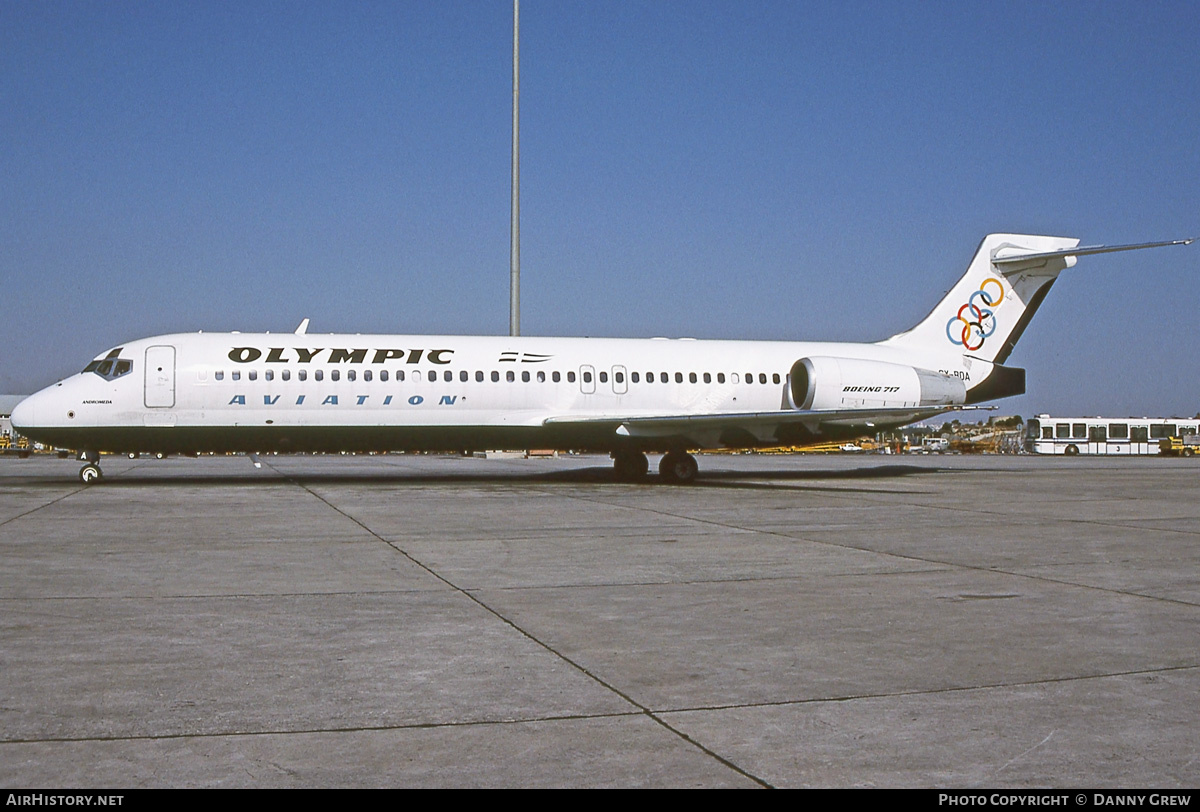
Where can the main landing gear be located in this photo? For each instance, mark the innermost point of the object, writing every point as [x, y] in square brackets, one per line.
[630, 466]
[676, 467]
[90, 473]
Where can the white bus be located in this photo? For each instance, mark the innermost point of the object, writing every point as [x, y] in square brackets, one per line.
[1103, 435]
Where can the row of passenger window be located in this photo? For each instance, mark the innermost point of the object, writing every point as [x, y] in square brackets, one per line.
[510, 376]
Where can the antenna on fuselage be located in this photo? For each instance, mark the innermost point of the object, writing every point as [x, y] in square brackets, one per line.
[303, 328]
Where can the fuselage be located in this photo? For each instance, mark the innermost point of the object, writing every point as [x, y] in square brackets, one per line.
[339, 392]
[201, 392]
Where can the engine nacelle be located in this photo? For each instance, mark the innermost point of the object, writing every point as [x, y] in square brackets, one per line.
[850, 383]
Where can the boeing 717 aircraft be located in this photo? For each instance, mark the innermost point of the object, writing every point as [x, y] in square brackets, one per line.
[263, 392]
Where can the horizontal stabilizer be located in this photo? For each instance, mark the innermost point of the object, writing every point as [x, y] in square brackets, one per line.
[1003, 258]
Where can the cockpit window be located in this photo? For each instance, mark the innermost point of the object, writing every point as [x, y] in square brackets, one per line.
[110, 366]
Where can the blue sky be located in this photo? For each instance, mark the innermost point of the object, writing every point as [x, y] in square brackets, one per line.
[774, 170]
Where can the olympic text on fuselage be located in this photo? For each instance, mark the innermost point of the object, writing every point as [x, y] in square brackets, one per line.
[303, 355]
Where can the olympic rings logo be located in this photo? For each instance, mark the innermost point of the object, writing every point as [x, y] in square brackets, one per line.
[976, 320]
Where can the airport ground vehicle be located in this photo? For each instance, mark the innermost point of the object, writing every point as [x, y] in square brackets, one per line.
[1186, 446]
[18, 446]
[1045, 434]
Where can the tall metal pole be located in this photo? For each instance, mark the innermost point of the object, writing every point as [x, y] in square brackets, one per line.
[514, 261]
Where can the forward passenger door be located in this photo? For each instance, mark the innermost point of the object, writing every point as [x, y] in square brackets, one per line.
[160, 377]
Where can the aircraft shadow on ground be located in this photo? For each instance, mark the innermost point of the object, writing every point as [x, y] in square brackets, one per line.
[767, 479]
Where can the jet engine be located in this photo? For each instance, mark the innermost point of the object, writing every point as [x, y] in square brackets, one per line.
[851, 383]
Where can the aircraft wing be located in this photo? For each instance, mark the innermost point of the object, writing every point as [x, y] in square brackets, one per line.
[744, 429]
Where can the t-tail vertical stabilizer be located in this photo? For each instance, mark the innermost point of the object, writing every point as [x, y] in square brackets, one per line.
[985, 313]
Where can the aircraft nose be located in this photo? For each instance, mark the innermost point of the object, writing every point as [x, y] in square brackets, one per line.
[24, 414]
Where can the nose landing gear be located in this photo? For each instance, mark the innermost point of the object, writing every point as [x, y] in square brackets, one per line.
[90, 473]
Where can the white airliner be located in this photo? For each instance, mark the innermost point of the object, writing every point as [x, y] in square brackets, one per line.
[243, 392]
